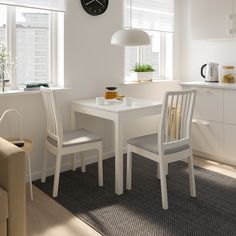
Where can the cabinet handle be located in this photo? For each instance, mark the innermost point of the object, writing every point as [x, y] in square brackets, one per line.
[200, 122]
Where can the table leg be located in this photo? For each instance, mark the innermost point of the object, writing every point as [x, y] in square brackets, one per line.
[118, 158]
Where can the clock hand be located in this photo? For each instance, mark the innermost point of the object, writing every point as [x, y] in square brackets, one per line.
[99, 2]
[90, 2]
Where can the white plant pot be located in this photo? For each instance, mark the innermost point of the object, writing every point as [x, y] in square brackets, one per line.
[141, 76]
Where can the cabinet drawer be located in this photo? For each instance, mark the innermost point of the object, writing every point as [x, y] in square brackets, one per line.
[229, 144]
[209, 104]
[230, 107]
[207, 137]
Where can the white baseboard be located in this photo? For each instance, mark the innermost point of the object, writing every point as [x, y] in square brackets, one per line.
[67, 166]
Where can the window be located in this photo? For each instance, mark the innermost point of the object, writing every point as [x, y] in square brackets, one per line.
[3, 23]
[31, 36]
[32, 45]
[156, 17]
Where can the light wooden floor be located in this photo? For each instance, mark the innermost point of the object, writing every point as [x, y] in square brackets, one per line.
[45, 217]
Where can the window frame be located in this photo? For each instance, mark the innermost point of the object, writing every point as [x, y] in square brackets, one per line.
[163, 75]
[53, 45]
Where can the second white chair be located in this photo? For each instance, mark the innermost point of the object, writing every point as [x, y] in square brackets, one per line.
[172, 143]
[62, 143]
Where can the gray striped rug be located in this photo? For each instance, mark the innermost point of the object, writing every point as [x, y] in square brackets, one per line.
[139, 212]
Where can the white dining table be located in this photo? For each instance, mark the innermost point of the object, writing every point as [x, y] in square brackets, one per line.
[119, 113]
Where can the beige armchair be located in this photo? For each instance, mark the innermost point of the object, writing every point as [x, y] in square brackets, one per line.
[12, 190]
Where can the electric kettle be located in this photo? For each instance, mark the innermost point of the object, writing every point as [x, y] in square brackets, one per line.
[211, 72]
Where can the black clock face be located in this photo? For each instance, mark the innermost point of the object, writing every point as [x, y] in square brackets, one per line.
[95, 7]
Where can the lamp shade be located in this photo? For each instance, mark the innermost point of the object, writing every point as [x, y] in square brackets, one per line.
[130, 37]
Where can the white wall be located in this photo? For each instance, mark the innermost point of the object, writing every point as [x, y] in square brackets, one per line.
[196, 53]
[91, 64]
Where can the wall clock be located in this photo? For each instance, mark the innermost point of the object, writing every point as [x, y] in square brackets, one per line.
[95, 7]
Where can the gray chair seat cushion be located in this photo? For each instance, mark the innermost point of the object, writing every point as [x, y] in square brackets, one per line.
[150, 143]
[76, 137]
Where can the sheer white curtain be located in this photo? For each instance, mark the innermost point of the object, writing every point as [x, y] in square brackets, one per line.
[55, 5]
[155, 15]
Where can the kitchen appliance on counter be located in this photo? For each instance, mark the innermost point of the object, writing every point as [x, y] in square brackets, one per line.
[211, 72]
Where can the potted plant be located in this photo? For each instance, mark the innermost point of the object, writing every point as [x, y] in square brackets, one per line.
[142, 72]
[5, 64]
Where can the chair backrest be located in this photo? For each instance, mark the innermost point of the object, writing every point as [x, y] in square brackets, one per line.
[176, 119]
[54, 122]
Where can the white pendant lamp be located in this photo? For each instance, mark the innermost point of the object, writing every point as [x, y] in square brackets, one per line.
[130, 37]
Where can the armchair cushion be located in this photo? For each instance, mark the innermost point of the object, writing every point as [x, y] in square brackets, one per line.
[12, 179]
[3, 204]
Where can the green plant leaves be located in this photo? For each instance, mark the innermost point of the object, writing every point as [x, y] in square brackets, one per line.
[143, 68]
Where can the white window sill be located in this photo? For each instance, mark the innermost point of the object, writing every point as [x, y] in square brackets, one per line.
[149, 82]
[10, 92]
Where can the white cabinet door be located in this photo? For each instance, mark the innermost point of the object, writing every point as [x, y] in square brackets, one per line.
[207, 137]
[229, 144]
[230, 107]
[211, 19]
[209, 104]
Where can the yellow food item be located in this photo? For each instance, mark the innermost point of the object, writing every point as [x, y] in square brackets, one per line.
[228, 78]
[110, 95]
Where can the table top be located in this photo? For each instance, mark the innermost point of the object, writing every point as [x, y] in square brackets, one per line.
[118, 105]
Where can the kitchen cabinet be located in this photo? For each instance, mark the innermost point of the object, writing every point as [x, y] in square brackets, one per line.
[229, 107]
[207, 137]
[213, 19]
[229, 143]
[209, 98]
[214, 121]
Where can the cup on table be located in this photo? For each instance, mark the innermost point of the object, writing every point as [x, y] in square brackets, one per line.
[127, 101]
[100, 100]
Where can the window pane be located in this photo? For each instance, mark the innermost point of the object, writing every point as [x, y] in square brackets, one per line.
[32, 45]
[148, 55]
[131, 58]
[168, 55]
[3, 23]
[151, 53]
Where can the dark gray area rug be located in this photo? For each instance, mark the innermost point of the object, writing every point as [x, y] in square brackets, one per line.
[139, 212]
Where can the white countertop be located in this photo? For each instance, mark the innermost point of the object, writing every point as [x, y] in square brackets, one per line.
[208, 85]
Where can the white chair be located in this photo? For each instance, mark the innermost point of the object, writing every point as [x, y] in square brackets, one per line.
[26, 144]
[172, 143]
[62, 143]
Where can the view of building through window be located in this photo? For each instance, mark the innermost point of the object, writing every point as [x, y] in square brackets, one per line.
[32, 45]
[3, 23]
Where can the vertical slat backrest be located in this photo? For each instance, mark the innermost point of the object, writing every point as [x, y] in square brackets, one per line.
[54, 123]
[176, 119]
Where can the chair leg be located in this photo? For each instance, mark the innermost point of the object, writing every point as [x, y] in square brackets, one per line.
[57, 175]
[100, 166]
[45, 159]
[73, 161]
[167, 171]
[158, 170]
[191, 177]
[83, 164]
[30, 177]
[164, 195]
[129, 169]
